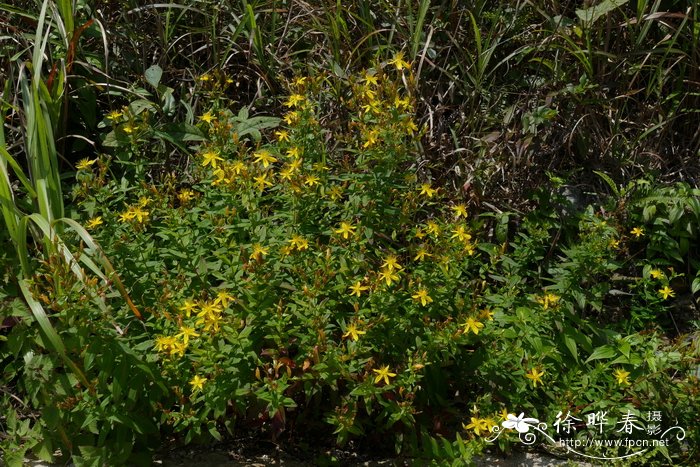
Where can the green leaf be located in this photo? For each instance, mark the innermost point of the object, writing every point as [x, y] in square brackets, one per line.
[153, 75]
[603, 352]
[592, 14]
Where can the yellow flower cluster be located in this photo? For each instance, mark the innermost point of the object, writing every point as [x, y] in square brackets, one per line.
[137, 213]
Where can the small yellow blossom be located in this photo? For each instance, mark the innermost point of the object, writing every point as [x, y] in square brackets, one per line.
[535, 376]
[186, 333]
[666, 292]
[388, 276]
[614, 243]
[637, 232]
[299, 242]
[477, 425]
[185, 196]
[432, 228]
[352, 332]
[294, 152]
[282, 135]
[208, 117]
[224, 298]
[461, 234]
[291, 117]
[548, 300]
[197, 383]
[421, 254]
[94, 222]
[486, 314]
[357, 288]
[656, 273]
[295, 100]
[261, 182]
[383, 374]
[259, 252]
[346, 229]
[85, 163]
[472, 325]
[460, 210]
[422, 296]
[312, 180]
[399, 62]
[188, 307]
[205, 77]
[426, 190]
[391, 263]
[114, 115]
[265, 158]
[128, 129]
[622, 377]
[211, 158]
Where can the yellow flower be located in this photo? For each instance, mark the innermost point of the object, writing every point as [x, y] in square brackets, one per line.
[411, 127]
[383, 373]
[294, 152]
[486, 314]
[178, 348]
[399, 62]
[548, 300]
[504, 414]
[205, 77]
[259, 252]
[352, 332]
[185, 195]
[488, 423]
[421, 254]
[656, 273]
[637, 232]
[666, 292]
[472, 325]
[261, 182]
[357, 288]
[94, 222]
[391, 263]
[422, 296]
[299, 242]
[282, 135]
[85, 163]
[461, 234]
[265, 157]
[126, 216]
[128, 129]
[291, 117]
[197, 383]
[535, 376]
[211, 158]
[207, 117]
[346, 229]
[402, 103]
[388, 276]
[335, 193]
[224, 298]
[432, 228]
[621, 376]
[299, 81]
[312, 180]
[370, 79]
[164, 343]
[295, 100]
[372, 138]
[614, 243]
[186, 333]
[426, 190]
[238, 167]
[460, 210]
[140, 214]
[477, 425]
[188, 307]
[114, 115]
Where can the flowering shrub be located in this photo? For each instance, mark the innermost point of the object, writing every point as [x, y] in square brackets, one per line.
[316, 277]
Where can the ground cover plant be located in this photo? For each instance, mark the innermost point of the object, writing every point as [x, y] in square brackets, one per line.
[285, 242]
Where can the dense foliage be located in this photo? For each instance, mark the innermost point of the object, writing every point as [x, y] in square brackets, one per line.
[237, 224]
